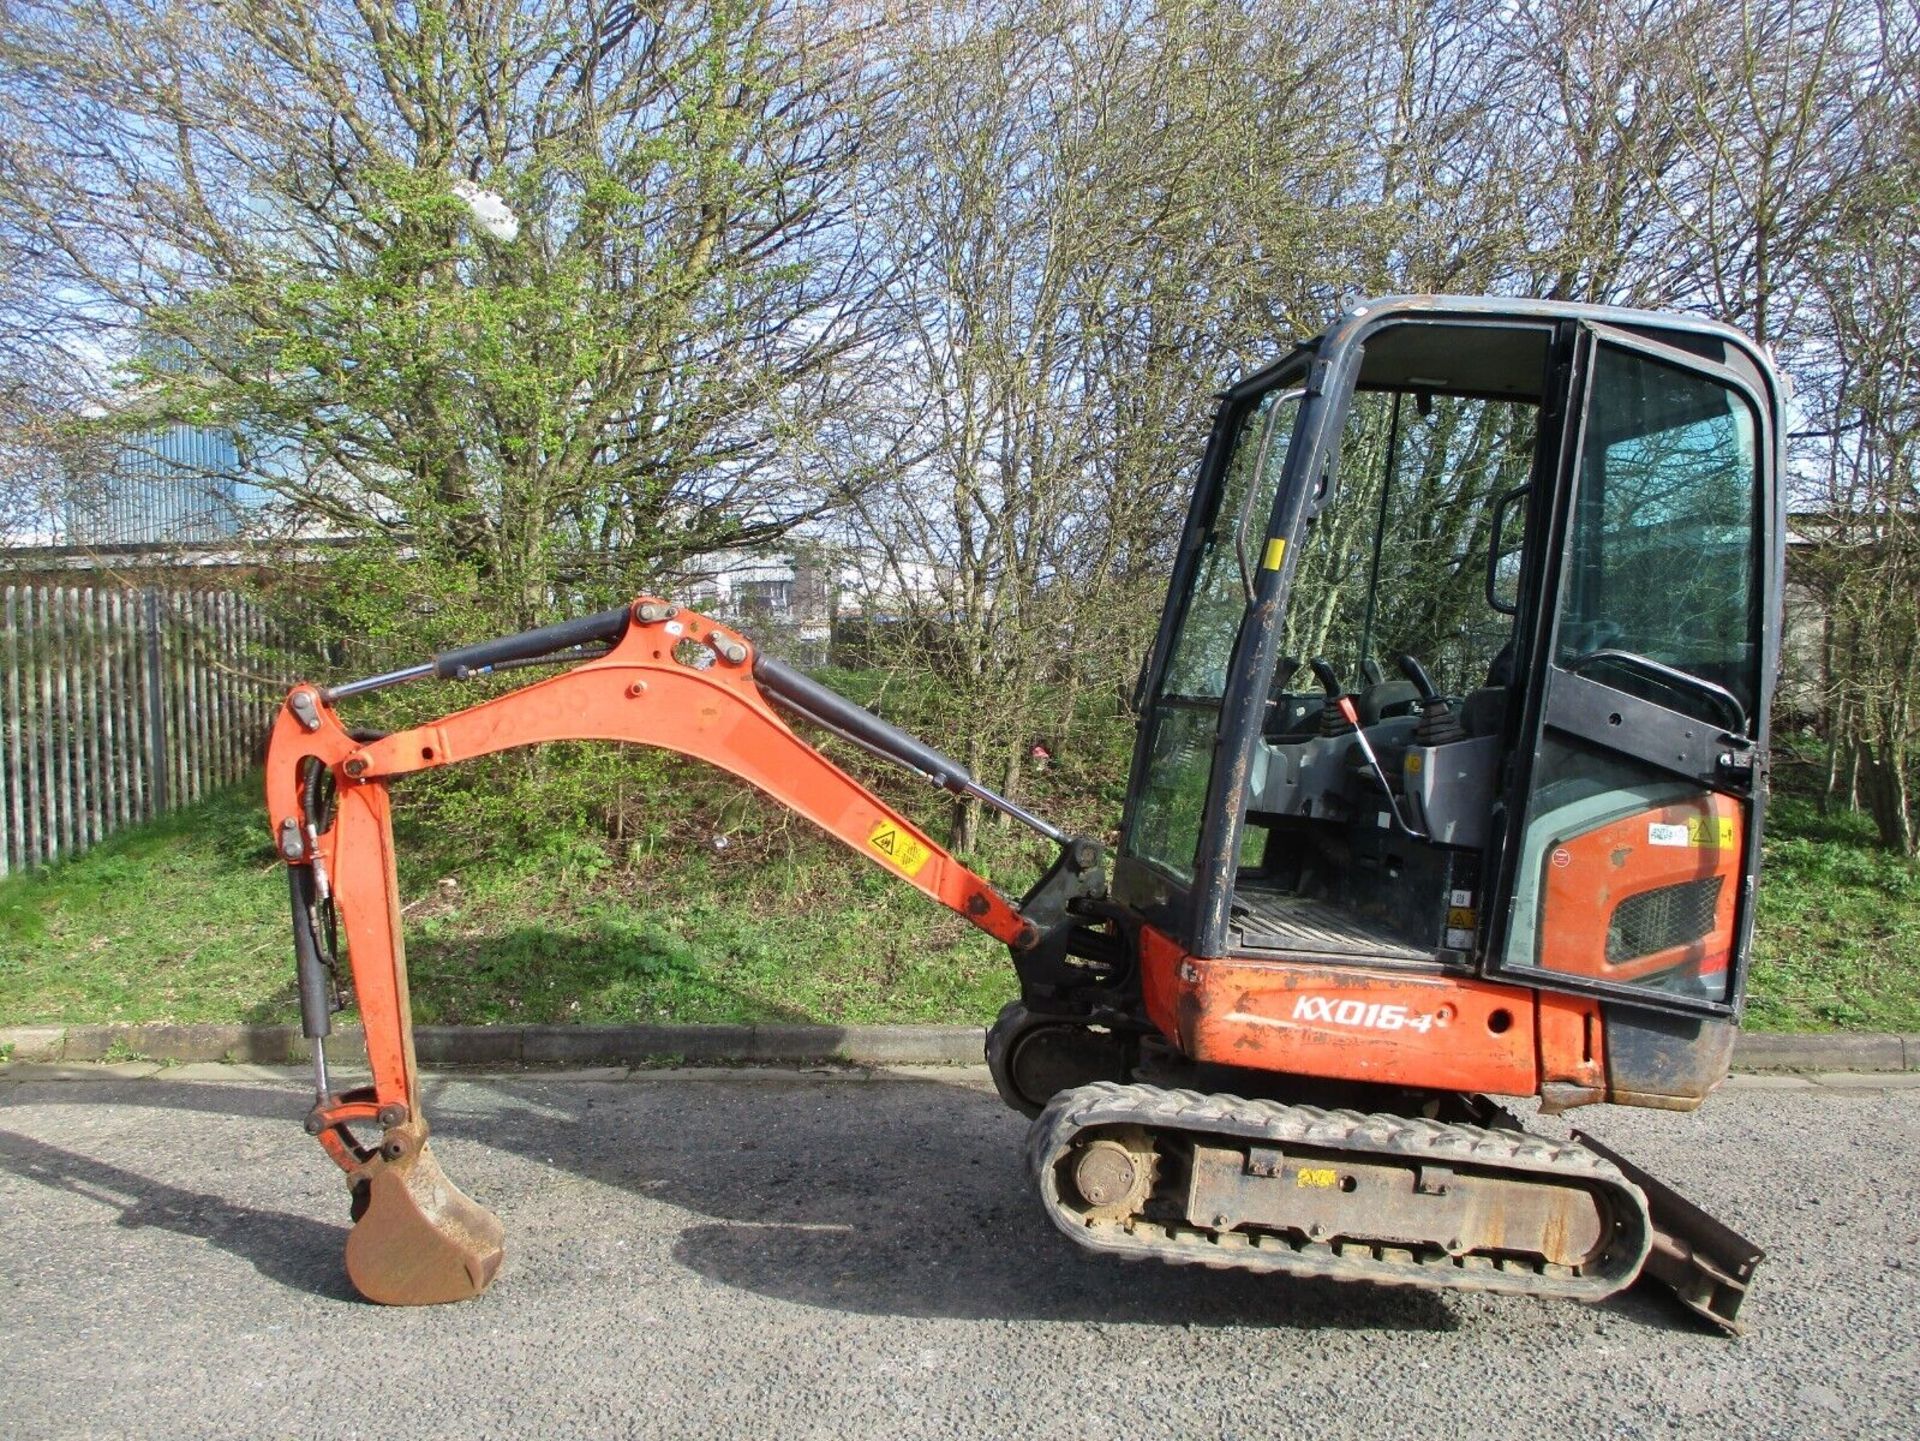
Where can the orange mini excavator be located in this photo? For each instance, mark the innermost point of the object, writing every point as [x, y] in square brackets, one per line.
[1447, 785]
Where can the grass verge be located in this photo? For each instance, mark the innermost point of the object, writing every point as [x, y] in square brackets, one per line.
[733, 911]
[1837, 940]
[186, 920]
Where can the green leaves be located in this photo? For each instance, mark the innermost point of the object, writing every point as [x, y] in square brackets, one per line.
[549, 293]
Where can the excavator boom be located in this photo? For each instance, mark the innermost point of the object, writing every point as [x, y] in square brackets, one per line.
[656, 675]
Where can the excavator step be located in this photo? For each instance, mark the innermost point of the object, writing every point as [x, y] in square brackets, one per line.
[1179, 1176]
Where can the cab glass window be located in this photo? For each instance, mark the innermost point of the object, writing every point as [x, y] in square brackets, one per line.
[1662, 556]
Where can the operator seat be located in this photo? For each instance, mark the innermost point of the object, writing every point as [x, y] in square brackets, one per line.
[1484, 711]
[1385, 699]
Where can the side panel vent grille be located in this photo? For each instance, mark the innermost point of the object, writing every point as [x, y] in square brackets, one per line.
[1659, 920]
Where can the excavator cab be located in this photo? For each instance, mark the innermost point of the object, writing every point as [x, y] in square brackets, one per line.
[1449, 769]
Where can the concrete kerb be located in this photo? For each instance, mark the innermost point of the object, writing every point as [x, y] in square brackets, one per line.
[575, 1046]
[1825, 1051]
[260, 1045]
[33, 1043]
[509, 1046]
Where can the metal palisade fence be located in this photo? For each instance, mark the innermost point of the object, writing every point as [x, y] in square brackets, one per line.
[118, 705]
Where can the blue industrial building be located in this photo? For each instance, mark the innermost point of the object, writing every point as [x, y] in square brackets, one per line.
[177, 485]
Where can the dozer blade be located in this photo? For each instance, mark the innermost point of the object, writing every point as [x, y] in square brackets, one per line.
[1705, 1263]
[417, 1240]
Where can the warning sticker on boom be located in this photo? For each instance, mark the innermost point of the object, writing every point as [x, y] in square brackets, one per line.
[899, 847]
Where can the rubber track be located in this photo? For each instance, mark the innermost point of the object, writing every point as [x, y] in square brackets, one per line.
[1518, 1153]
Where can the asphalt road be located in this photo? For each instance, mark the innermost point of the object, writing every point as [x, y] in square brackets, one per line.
[811, 1257]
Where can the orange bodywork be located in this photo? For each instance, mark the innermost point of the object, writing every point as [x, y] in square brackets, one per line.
[1426, 1030]
[1689, 848]
[638, 692]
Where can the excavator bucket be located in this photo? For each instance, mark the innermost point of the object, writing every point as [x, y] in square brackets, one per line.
[417, 1240]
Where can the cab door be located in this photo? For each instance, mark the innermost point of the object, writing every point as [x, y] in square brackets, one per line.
[1631, 847]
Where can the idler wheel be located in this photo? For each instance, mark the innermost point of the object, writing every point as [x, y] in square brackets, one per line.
[1035, 1057]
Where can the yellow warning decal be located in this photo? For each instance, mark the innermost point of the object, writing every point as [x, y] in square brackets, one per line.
[1275, 553]
[1718, 832]
[899, 847]
[1316, 1178]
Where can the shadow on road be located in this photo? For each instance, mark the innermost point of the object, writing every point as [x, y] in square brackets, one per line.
[897, 1198]
[296, 1251]
[1004, 1277]
[903, 1199]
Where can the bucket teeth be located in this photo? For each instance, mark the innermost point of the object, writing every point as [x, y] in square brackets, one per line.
[419, 1241]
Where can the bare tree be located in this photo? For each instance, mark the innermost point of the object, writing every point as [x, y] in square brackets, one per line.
[549, 293]
[1868, 568]
[1770, 100]
[1092, 212]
